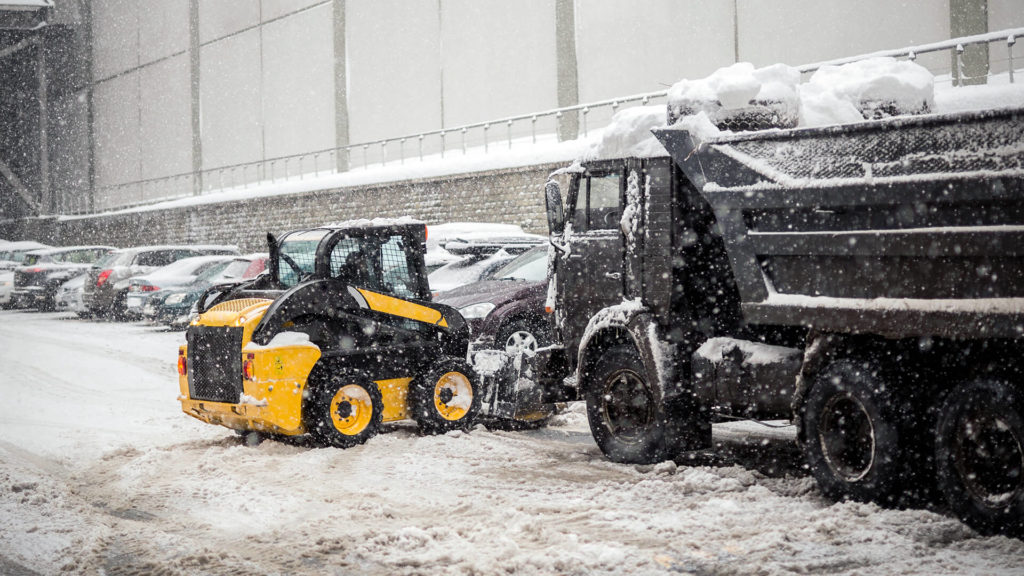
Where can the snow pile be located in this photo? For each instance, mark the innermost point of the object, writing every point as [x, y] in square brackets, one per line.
[872, 88]
[629, 134]
[716, 350]
[740, 94]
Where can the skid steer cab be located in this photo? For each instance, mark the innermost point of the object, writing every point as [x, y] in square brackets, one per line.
[338, 337]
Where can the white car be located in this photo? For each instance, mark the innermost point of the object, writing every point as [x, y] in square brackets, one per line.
[6, 287]
[69, 295]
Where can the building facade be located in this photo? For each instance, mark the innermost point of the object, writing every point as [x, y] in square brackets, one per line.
[140, 97]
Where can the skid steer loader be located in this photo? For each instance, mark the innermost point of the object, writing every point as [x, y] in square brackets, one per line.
[338, 337]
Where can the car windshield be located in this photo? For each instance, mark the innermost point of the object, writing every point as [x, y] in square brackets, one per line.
[31, 259]
[233, 271]
[185, 267]
[213, 273]
[531, 266]
[108, 259]
[298, 255]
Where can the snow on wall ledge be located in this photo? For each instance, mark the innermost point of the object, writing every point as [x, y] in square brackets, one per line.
[511, 195]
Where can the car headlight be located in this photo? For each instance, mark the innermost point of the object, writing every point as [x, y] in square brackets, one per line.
[480, 310]
[175, 298]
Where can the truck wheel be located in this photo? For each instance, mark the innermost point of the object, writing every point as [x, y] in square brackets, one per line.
[445, 398]
[626, 415]
[979, 451]
[853, 444]
[345, 411]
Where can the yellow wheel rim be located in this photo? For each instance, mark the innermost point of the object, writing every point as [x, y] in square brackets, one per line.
[351, 409]
[453, 396]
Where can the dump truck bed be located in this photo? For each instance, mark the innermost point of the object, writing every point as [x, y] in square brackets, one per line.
[905, 227]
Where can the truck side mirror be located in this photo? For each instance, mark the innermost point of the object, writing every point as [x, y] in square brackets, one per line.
[553, 199]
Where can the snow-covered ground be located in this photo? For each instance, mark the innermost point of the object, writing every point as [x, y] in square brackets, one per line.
[100, 473]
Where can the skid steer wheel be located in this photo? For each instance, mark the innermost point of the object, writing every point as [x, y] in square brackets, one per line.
[346, 410]
[979, 452]
[854, 447]
[626, 417]
[446, 397]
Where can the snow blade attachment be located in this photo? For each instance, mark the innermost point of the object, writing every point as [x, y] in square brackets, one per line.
[905, 227]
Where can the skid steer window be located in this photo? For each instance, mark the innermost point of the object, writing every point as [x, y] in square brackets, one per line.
[298, 256]
[395, 264]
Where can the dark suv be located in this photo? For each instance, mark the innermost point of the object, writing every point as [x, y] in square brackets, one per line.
[43, 271]
[106, 287]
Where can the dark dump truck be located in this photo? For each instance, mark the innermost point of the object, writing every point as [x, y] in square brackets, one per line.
[865, 281]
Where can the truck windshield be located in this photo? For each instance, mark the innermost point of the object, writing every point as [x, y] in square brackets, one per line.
[298, 256]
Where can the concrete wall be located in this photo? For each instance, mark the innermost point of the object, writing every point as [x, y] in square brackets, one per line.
[511, 196]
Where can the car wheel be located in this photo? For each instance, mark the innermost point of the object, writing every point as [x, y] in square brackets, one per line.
[979, 453]
[346, 410]
[854, 447]
[446, 397]
[523, 334]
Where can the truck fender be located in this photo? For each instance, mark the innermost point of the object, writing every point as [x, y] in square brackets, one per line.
[820, 350]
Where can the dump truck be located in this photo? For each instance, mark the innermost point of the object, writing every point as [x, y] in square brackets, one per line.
[865, 281]
[338, 337]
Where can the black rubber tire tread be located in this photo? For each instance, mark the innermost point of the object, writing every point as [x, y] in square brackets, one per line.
[653, 445]
[421, 398]
[318, 407]
[999, 398]
[891, 455]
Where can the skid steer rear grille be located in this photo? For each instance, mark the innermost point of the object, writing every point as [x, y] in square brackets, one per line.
[215, 363]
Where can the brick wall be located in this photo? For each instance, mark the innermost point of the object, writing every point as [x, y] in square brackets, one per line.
[514, 196]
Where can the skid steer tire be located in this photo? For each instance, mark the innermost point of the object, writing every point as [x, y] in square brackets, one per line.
[627, 415]
[345, 410]
[854, 446]
[445, 398]
[979, 452]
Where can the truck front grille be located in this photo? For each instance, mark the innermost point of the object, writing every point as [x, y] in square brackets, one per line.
[215, 363]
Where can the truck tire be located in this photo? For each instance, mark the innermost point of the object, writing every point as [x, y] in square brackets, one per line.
[979, 452]
[853, 442]
[625, 410]
[446, 397]
[345, 410]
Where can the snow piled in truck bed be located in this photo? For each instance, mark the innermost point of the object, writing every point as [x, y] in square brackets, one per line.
[848, 93]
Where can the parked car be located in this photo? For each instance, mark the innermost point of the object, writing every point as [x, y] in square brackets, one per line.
[69, 295]
[43, 271]
[484, 237]
[6, 287]
[12, 253]
[480, 258]
[173, 305]
[141, 287]
[506, 311]
[106, 289]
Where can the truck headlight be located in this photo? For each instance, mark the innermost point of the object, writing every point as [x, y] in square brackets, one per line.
[480, 310]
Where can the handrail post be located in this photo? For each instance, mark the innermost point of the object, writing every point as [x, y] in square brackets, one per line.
[401, 151]
[442, 144]
[383, 152]
[585, 111]
[366, 157]
[509, 134]
[486, 128]
[533, 127]
[421, 147]
[463, 140]
[1010, 41]
[959, 64]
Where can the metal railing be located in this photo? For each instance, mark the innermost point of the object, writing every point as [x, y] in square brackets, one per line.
[482, 136]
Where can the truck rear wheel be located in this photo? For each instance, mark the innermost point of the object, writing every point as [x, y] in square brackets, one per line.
[979, 453]
[625, 411]
[445, 398]
[346, 410]
[853, 442]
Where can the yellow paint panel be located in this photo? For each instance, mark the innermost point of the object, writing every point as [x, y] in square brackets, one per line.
[403, 308]
[395, 394]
